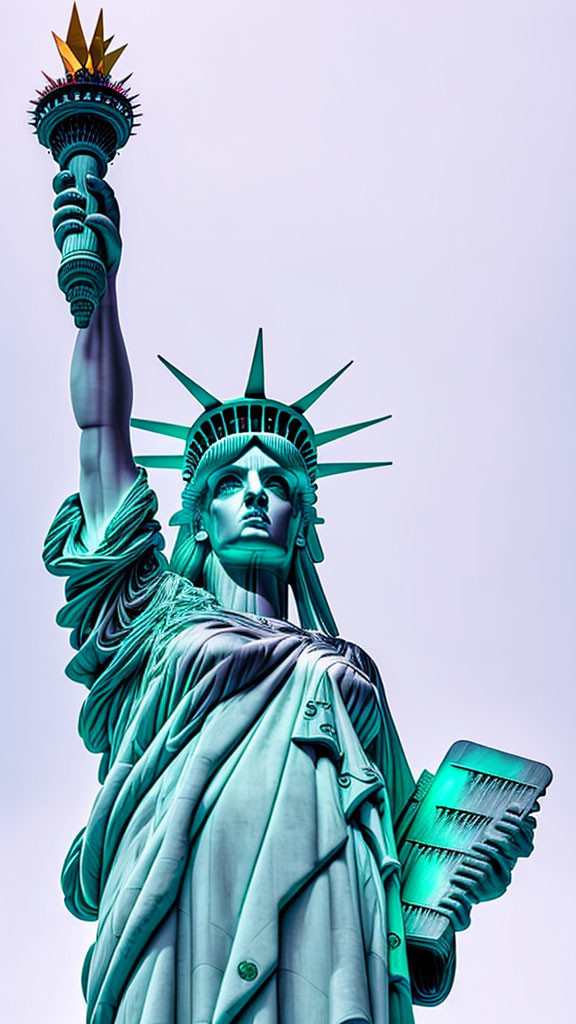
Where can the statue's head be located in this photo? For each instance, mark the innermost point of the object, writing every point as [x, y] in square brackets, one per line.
[253, 509]
[250, 469]
[249, 505]
[250, 502]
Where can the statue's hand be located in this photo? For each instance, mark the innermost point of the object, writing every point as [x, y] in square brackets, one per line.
[476, 881]
[487, 876]
[70, 215]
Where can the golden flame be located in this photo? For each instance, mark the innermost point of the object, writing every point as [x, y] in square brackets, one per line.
[76, 53]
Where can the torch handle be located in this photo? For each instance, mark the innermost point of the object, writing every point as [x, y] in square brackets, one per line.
[84, 241]
[82, 273]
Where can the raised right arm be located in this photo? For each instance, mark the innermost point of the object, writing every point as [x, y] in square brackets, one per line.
[101, 383]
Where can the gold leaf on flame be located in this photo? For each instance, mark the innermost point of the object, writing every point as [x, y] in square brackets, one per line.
[76, 53]
[75, 38]
[69, 59]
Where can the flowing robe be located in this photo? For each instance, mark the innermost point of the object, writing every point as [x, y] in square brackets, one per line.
[240, 855]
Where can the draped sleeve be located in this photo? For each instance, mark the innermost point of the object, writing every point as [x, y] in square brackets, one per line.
[108, 591]
[106, 587]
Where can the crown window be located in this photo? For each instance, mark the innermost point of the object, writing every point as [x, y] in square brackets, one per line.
[218, 425]
[283, 421]
[270, 419]
[256, 418]
[243, 425]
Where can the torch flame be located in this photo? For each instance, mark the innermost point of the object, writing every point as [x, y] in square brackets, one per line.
[75, 52]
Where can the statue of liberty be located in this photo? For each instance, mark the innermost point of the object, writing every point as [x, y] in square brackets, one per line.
[243, 858]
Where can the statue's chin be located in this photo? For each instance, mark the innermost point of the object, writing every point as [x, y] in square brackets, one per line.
[255, 551]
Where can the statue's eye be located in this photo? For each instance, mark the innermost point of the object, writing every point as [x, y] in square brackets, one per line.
[279, 486]
[227, 484]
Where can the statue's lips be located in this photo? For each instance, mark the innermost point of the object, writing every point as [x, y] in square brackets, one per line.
[259, 519]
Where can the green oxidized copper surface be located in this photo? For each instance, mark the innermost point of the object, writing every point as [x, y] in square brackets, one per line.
[258, 849]
[253, 413]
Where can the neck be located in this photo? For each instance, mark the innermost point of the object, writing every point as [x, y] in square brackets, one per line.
[253, 588]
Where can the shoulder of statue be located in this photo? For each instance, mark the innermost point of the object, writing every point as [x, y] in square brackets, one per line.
[359, 657]
[179, 589]
[351, 652]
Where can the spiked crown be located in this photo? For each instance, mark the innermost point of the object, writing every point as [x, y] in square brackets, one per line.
[253, 413]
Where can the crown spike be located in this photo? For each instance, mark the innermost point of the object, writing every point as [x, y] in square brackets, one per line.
[160, 461]
[332, 435]
[302, 404]
[255, 385]
[335, 468]
[167, 429]
[200, 393]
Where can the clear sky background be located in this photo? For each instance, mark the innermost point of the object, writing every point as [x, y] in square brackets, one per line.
[384, 181]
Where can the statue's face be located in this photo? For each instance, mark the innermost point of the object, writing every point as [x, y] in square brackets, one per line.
[251, 513]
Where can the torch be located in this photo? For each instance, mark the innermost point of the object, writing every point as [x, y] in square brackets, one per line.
[84, 119]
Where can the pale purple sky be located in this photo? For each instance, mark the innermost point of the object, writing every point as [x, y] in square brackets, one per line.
[389, 182]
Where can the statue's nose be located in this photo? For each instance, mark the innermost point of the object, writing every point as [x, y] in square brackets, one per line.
[258, 498]
[255, 495]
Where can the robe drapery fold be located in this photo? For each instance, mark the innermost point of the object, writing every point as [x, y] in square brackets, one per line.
[240, 856]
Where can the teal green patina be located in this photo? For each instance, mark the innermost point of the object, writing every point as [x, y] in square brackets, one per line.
[233, 827]
[247, 970]
[257, 825]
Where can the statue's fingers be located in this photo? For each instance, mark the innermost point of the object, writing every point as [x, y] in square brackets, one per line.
[506, 855]
[67, 213]
[486, 848]
[510, 829]
[495, 882]
[68, 227]
[511, 817]
[501, 841]
[525, 838]
[459, 912]
[69, 197]
[519, 838]
[524, 825]
[501, 871]
[468, 887]
[484, 885]
[525, 848]
[105, 194]
[109, 237]
[104, 227]
[468, 872]
[62, 180]
[463, 890]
